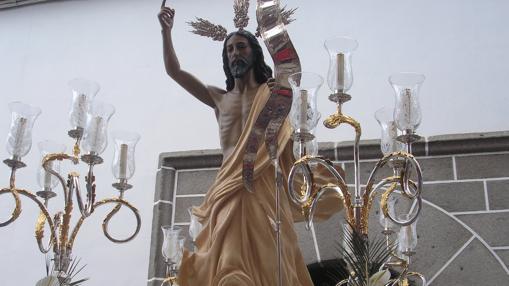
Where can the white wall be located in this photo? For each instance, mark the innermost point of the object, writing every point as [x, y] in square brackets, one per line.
[460, 45]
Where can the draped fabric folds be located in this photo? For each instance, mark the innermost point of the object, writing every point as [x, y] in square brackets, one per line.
[237, 245]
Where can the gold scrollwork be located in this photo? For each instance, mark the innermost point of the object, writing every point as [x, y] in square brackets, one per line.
[385, 198]
[336, 119]
[118, 203]
[17, 208]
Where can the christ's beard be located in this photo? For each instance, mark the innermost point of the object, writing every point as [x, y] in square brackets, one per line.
[240, 67]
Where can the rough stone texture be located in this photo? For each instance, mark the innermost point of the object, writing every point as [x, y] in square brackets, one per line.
[440, 236]
[468, 143]
[498, 194]
[328, 235]
[165, 183]
[482, 166]
[191, 159]
[436, 169]
[327, 150]
[493, 227]
[365, 171]
[181, 213]
[306, 243]
[369, 149]
[457, 196]
[504, 255]
[161, 216]
[195, 182]
[474, 266]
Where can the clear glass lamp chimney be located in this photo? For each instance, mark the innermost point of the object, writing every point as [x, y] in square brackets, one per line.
[340, 76]
[19, 139]
[45, 180]
[83, 94]
[304, 113]
[173, 245]
[407, 111]
[95, 139]
[388, 143]
[407, 236]
[123, 165]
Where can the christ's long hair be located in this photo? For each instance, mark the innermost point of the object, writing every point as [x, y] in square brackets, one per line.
[261, 70]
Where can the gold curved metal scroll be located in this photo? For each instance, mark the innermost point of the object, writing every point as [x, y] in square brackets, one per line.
[17, 207]
[307, 198]
[405, 183]
[39, 232]
[119, 202]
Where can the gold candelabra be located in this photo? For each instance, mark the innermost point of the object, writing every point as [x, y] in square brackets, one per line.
[89, 120]
[406, 179]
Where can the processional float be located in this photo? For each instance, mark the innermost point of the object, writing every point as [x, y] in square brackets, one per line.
[295, 94]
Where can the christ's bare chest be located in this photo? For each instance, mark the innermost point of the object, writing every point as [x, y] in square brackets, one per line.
[233, 113]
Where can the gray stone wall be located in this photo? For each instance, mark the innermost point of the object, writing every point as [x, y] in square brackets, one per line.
[463, 228]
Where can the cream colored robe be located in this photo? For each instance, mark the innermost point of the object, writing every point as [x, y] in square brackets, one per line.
[238, 244]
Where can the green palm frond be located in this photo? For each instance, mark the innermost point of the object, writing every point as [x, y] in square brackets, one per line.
[363, 257]
[72, 271]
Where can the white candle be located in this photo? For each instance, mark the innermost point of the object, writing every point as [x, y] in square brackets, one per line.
[303, 108]
[341, 71]
[95, 133]
[407, 106]
[81, 110]
[19, 133]
[47, 177]
[123, 161]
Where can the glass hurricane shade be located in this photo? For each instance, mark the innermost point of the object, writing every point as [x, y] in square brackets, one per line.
[384, 221]
[407, 236]
[123, 165]
[195, 227]
[388, 142]
[301, 149]
[83, 94]
[407, 111]
[19, 139]
[95, 139]
[304, 114]
[45, 179]
[340, 76]
[173, 244]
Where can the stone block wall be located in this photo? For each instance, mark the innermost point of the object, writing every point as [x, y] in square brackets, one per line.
[463, 228]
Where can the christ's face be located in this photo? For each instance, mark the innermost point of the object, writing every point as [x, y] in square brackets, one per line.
[240, 55]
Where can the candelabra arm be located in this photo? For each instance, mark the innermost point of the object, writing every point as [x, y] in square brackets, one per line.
[404, 180]
[118, 203]
[47, 167]
[88, 208]
[305, 198]
[12, 178]
[343, 194]
[39, 232]
[302, 196]
[17, 207]
[407, 183]
[66, 217]
[332, 122]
